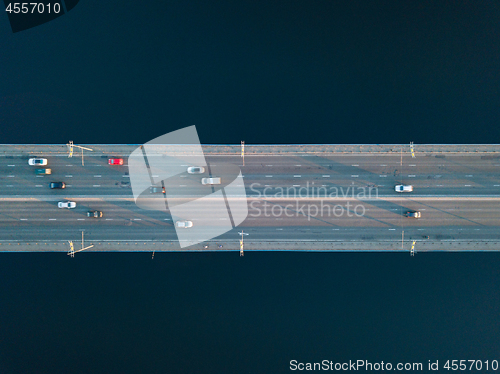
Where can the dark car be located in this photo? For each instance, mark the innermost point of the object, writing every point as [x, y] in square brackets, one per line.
[157, 190]
[57, 185]
[94, 213]
[415, 214]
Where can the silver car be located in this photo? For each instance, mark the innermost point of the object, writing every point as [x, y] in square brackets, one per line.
[37, 161]
[66, 204]
[196, 170]
[403, 188]
[184, 224]
[211, 181]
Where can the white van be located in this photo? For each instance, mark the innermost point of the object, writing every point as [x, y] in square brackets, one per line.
[210, 181]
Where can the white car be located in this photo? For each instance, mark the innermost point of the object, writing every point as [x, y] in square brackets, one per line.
[184, 224]
[403, 188]
[66, 204]
[37, 161]
[210, 181]
[195, 170]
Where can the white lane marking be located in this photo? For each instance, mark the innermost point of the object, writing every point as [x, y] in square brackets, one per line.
[354, 165]
[269, 176]
[269, 165]
[125, 176]
[97, 176]
[496, 185]
[69, 165]
[335, 229]
[267, 185]
[412, 165]
[137, 219]
[52, 219]
[383, 165]
[80, 219]
[11, 165]
[298, 165]
[279, 229]
[97, 185]
[10, 176]
[38, 185]
[469, 176]
[109, 219]
[439, 185]
[68, 176]
[69, 185]
[467, 185]
[392, 229]
[354, 176]
[155, 176]
[383, 176]
[411, 176]
[296, 185]
[326, 176]
[167, 219]
[477, 229]
[296, 176]
[23, 219]
[9, 185]
[182, 185]
[39, 176]
[324, 185]
[420, 229]
[182, 176]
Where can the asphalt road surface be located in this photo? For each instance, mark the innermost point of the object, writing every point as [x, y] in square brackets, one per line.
[303, 198]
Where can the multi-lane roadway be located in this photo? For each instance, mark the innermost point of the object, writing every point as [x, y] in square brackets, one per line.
[308, 198]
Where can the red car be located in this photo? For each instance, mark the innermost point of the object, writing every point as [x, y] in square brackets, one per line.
[115, 161]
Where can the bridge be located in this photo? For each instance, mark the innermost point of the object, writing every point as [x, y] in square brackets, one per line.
[300, 197]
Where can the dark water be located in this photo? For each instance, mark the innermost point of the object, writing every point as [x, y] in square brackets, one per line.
[263, 72]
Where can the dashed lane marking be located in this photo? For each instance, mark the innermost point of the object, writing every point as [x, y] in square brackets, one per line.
[354, 176]
[383, 176]
[411, 176]
[11, 165]
[69, 165]
[296, 185]
[269, 176]
[38, 185]
[10, 176]
[23, 219]
[52, 219]
[326, 176]
[80, 219]
[97, 185]
[469, 176]
[296, 176]
[392, 229]
[68, 176]
[97, 176]
[354, 165]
